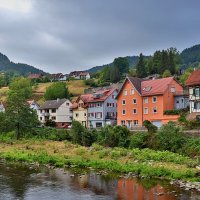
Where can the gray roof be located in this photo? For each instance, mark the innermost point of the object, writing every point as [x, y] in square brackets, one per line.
[52, 104]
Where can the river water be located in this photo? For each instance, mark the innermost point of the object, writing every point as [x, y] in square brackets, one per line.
[21, 182]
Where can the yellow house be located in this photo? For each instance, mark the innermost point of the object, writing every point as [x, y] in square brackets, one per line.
[79, 108]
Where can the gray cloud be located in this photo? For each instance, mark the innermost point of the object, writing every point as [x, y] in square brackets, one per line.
[64, 35]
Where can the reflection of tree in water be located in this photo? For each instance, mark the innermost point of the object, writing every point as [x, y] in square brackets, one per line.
[17, 177]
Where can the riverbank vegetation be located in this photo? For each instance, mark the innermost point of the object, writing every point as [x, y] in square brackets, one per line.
[145, 162]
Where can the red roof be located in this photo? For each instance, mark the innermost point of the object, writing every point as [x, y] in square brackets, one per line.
[34, 76]
[194, 78]
[154, 87]
[105, 93]
[84, 97]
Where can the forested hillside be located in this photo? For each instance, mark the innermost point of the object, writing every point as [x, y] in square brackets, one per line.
[19, 68]
[191, 55]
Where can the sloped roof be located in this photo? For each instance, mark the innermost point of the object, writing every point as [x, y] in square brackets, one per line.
[194, 78]
[105, 94]
[149, 87]
[52, 104]
[154, 87]
[84, 97]
[34, 76]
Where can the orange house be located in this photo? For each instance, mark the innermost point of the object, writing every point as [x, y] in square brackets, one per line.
[140, 100]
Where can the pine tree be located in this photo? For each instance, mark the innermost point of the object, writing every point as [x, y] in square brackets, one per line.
[140, 68]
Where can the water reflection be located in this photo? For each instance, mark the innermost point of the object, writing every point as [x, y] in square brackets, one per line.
[18, 181]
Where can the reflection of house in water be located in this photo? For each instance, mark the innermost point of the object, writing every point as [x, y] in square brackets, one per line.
[132, 190]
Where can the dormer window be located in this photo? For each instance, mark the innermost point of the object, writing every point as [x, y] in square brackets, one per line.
[125, 92]
[132, 91]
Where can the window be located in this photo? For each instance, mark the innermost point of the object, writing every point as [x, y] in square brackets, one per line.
[67, 104]
[123, 112]
[99, 124]
[123, 122]
[85, 114]
[113, 96]
[177, 101]
[154, 99]
[40, 118]
[53, 118]
[134, 101]
[123, 102]
[154, 110]
[145, 99]
[145, 111]
[196, 105]
[134, 111]
[132, 91]
[98, 115]
[125, 92]
[135, 122]
[76, 114]
[53, 110]
[173, 89]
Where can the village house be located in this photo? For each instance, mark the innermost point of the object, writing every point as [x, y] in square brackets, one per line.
[58, 77]
[80, 75]
[35, 76]
[102, 108]
[140, 100]
[79, 108]
[2, 108]
[84, 75]
[56, 110]
[193, 84]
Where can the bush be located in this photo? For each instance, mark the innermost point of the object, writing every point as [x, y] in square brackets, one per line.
[192, 124]
[80, 135]
[170, 138]
[171, 112]
[192, 147]
[150, 127]
[117, 136]
[139, 140]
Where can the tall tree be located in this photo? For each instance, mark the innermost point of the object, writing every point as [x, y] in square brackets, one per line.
[122, 64]
[140, 67]
[115, 75]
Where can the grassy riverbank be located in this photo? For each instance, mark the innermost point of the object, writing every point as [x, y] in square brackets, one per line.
[147, 163]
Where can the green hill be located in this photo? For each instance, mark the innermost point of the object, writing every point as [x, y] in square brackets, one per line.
[22, 69]
[191, 56]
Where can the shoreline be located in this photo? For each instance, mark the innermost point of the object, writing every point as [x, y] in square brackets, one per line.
[145, 163]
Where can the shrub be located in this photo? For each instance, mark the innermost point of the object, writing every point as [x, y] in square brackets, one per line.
[80, 135]
[170, 138]
[117, 136]
[139, 140]
[150, 127]
[171, 112]
[192, 147]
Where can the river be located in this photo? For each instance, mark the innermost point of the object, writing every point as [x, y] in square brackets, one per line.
[21, 182]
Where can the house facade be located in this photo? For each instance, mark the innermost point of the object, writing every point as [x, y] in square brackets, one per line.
[193, 84]
[102, 108]
[80, 109]
[140, 100]
[85, 75]
[56, 110]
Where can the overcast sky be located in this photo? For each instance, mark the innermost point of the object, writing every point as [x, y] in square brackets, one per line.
[66, 35]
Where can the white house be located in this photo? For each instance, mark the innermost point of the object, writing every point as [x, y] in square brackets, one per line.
[193, 84]
[56, 110]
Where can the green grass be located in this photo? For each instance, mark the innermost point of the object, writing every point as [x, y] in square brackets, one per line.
[147, 163]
